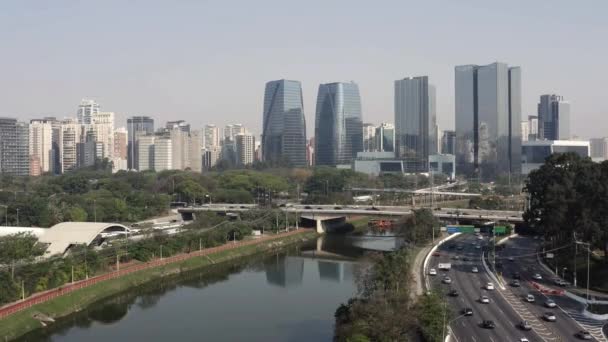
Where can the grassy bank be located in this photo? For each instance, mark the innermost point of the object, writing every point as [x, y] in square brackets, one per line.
[22, 322]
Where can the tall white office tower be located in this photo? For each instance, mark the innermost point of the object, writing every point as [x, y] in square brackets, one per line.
[41, 146]
[86, 110]
[245, 148]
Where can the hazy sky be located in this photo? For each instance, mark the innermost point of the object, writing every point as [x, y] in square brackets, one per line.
[208, 61]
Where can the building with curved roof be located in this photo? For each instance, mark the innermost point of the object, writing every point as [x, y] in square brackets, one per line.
[61, 236]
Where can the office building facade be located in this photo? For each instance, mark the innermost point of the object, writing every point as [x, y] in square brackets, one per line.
[284, 125]
[338, 126]
[41, 147]
[599, 149]
[385, 138]
[553, 118]
[448, 142]
[14, 147]
[245, 149]
[86, 110]
[369, 137]
[211, 136]
[415, 122]
[488, 120]
[137, 126]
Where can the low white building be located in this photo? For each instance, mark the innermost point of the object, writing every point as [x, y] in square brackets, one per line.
[534, 153]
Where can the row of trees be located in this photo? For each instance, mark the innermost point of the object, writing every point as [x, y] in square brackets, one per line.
[568, 197]
[384, 309]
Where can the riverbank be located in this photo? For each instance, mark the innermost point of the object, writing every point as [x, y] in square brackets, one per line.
[61, 305]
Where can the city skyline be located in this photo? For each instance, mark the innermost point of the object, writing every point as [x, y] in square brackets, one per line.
[139, 80]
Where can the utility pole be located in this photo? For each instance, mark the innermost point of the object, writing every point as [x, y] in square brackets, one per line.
[117, 262]
[86, 269]
[200, 244]
[17, 217]
[23, 289]
[72, 274]
[161, 252]
[95, 209]
[286, 222]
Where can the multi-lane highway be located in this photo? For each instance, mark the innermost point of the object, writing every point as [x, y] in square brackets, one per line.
[470, 287]
[508, 306]
[519, 259]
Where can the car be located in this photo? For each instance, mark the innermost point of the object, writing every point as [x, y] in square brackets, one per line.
[530, 298]
[465, 259]
[537, 276]
[456, 257]
[479, 237]
[453, 293]
[549, 317]
[474, 270]
[489, 286]
[467, 312]
[517, 276]
[488, 324]
[523, 339]
[477, 247]
[307, 207]
[447, 280]
[432, 272]
[511, 259]
[584, 335]
[515, 283]
[319, 208]
[436, 254]
[484, 300]
[550, 303]
[337, 208]
[525, 325]
[373, 208]
[459, 247]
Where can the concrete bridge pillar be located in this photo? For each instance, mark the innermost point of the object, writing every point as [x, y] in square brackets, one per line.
[319, 224]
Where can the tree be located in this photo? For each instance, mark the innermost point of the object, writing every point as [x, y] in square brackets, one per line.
[20, 246]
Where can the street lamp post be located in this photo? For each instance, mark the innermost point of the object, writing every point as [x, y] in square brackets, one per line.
[450, 322]
[95, 210]
[17, 217]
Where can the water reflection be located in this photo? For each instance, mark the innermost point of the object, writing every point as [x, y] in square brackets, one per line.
[289, 296]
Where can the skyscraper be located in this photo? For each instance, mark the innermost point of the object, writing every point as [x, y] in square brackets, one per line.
[369, 137]
[385, 138]
[232, 130]
[338, 124]
[137, 126]
[86, 110]
[145, 153]
[163, 153]
[284, 126]
[71, 136]
[488, 116]
[448, 142]
[41, 146]
[245, 148]
[553, 118]
[14, 147]
[211, 136]
[178, 124]
[102, 126]
[415, 122]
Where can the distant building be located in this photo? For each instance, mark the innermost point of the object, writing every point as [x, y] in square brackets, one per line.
[599, 148]
[443, 164]
[385, 138]
[533, 127]
[448, 142]
[71, 135]
[145, 152]
[534, 153]
[102, 126]
[284, 125]
[86, 110]
[488, 117]
[163, 153]
[179, 124]
[369, 137]
[525, 130]
[553, 118]
[210, 157]
[338, 125]
[41, 147]
[245, 149]
[137, 126]
[415, 122]
[120, 143]
[310, 152]
[14, 147]
[212, 136]
[231, 131]
[378, 163]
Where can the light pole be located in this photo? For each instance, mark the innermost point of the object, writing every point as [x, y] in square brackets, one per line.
[450, 322]
[95, 210]
[17, 217]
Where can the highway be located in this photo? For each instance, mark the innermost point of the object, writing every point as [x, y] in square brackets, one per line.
[569, 315]
[470, 287]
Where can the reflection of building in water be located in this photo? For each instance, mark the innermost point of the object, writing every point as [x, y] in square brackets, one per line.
[285, 271]
[335, 271]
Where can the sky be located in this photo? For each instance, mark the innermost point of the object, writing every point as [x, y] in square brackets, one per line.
[208, 61]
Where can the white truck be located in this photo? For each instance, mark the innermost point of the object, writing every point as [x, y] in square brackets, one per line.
[444, 267]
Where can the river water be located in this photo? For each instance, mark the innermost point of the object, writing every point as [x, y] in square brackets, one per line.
[288, 296]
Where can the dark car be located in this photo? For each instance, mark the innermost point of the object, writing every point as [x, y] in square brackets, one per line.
[515, 283]
[373, 208]
[488, 324]
[337, 208]
[307, 207]
[516, 275]
[465, 259]
[467, 312]
[525, 325]
[453, 293]
[584, 335]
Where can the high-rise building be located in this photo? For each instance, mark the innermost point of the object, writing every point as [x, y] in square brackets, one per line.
[533, 127]
[338, 125]
[137, 126]
[310, 152]
[41, 147]
[488, 117]
[599, 148]
[195, 153]
[448, 142]
[415, 122]
[232, 130]
[102, 127]
[120, 143]
[71, 136]
[210, 156]
[163, 153]
[245, 148]
[369, 137]
[14, 147]
[86, 110]
[212, 136]
[385, 138]
[284, 125]
[179, 124]
[553, 118]
[145, 152]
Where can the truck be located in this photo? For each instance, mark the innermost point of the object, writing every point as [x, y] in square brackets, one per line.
[445, 267]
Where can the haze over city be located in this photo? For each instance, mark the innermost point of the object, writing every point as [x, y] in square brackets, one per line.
[208, 62]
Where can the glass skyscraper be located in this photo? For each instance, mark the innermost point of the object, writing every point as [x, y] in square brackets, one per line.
[338, 124]
[284, 126]
[415, 122]
[14, 147]
[137, 126]
[553, 118]
[488, 120]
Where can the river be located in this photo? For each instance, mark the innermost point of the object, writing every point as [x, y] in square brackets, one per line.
[289, 296]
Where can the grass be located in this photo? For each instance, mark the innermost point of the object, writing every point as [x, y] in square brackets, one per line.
[22, 322]
[360, 225]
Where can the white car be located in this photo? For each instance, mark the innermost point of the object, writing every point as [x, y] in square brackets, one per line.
[550, 317]
[447, 280]
[432, 272]
[550, 303]
[530, 298]
[537, 276]
[474, 270]
[484, 300]
[523, 339]
[489, 286]
[477, 247]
